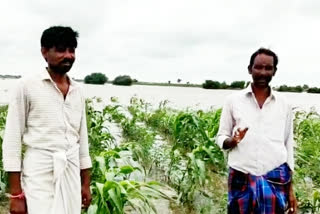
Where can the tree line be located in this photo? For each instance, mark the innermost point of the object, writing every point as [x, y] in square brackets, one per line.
[210, 84]
[298, 88]
[100, 78]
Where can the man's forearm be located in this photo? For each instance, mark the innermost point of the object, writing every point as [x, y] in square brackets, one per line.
[85, 177]
[14, 183]
[291, 183]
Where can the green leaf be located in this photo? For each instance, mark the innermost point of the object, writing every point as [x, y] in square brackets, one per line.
[92, 209]
[116, 198]
[100, 188]
[109, 175]
[102, 164]
[126, 169]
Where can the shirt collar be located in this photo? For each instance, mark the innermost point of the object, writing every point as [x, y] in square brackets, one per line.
[46, 76]
[248, 90]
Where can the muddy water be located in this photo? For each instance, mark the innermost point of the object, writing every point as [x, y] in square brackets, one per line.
[178, 97]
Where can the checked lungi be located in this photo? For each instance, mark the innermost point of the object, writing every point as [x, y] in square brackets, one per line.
[266, 194]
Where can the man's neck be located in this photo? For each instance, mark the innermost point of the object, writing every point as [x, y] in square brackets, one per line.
[58, 77]
[261, 92]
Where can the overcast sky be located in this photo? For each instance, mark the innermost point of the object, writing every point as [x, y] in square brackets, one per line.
[162, 40]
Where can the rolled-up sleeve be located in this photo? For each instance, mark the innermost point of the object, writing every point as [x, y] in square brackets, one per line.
[226, 123]
[85, 160]
[15, 127]
[289, 141]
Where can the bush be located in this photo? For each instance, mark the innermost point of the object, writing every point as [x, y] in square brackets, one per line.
[313, 90]
[286, 88]
[96, 78]
[209, 84]
[238, 84]
[122, 80]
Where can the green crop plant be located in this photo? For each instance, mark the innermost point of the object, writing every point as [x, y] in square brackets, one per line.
[138, 138]
[187, 158]
[3, 174]
[99, 135]
[114, 192]
[307, 158]
[193, 155]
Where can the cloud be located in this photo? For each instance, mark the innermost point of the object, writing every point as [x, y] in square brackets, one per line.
[164, 40]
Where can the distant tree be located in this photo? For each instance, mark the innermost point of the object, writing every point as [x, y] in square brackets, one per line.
[237, 84]
[209, 84]
[134, 80]
[96, 78]
[224, 85]
[297, 88]
[122, 80]
[169, 82]
[178, 80]
[188, 83]
[7, 76]
[305, 87]
[313, 90]
[283, 88]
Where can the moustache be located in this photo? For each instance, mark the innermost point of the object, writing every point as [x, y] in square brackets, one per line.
[68, 60]
[263, 77]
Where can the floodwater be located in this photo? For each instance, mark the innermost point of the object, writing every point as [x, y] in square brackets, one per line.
[178, 97]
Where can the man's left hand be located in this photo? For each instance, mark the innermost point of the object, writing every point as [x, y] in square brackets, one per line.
[293, 205]
[86, 196]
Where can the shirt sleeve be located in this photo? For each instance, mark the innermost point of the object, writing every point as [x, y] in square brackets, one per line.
[226, 123]
[289, 142]
[14, 130]
[85, 160]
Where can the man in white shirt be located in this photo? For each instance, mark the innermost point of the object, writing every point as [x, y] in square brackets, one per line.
[257, 132]
[47, 114]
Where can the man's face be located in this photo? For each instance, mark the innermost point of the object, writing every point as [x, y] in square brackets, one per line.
[60, 59]
[262, 70]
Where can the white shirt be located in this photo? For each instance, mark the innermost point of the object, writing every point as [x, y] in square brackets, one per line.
[40, 118]
[268, 142]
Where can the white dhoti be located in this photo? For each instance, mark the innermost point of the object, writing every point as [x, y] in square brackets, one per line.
[51, 181]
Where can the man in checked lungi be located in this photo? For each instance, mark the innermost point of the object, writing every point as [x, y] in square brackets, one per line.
[256, 129]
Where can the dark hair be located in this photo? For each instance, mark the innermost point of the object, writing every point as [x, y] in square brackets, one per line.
[59, 36]
[266, 52]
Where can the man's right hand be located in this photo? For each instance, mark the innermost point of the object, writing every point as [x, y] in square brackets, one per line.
[239, 135]
[233, 141]
[18, 206]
